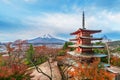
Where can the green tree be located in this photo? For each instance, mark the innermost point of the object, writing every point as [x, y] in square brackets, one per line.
[99, 43]
[30, 54]
[61, 53]
[118, 49]
[65, 46]
[104, 51]
[33, 61]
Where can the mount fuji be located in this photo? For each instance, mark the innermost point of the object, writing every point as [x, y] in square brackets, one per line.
[46, 39]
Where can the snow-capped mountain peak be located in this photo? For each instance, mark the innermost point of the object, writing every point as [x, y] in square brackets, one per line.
[46, 36]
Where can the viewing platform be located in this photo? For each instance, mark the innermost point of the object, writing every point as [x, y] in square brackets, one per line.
[99, 55]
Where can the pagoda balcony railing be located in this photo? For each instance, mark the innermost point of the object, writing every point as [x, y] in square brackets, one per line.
[84, 37]
[91, 38]
[91, 46]
[86, 46]
[97, 55]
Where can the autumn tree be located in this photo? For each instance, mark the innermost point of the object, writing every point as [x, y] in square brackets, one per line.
[115, 61]
[40, 53]
[89, 72]
[14, 72]
[12, 67]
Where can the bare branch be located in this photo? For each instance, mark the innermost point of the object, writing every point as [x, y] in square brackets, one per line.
[40, 71]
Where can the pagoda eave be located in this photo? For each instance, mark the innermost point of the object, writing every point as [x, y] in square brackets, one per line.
[97, 55]
[75, 46]
[91, 46]
[105, 64]
[91, 38]
[76, 32]
[86, 46]
[85, 30]
[91, 31]
[73, 39]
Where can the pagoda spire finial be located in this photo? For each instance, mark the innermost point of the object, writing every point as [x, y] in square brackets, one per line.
[83, 20]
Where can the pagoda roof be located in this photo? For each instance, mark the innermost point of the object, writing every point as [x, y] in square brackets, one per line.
[84, 37]
[104, 64]
[91, 46]
[86, 46]
[74, 39]
[73, 45]
[91, 38]
[87, 54]
[114, 69]
[85, 30]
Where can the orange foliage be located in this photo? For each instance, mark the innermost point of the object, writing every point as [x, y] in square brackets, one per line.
[39, 48]
[43, 50]
[11, 71]
[115, 61]
[91, 72]
[12, 68]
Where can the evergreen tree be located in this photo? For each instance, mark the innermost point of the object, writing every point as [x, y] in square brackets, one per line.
[66, 46]
[30, 54]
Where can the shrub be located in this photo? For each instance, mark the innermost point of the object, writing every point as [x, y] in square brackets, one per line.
[61, 53]
[14, 72]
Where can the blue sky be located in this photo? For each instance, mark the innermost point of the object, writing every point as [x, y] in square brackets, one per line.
[27, 19]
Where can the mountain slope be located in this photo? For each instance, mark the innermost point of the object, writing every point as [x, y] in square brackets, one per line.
[46, 39]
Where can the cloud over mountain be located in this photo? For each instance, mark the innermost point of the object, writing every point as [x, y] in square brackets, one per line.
[26, 19]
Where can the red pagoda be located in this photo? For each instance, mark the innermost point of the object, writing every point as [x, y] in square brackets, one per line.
[83, 43]
[84, 51]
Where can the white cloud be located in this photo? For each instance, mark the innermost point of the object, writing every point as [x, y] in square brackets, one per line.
[58, 23]
[66, 23]
[25, 34]
[62, 23]
[106, 21]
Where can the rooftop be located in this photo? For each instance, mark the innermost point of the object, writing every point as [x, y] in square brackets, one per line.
[87, 46]
[85, 30]
[84, 37]
[86, 55]
[114, 69]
